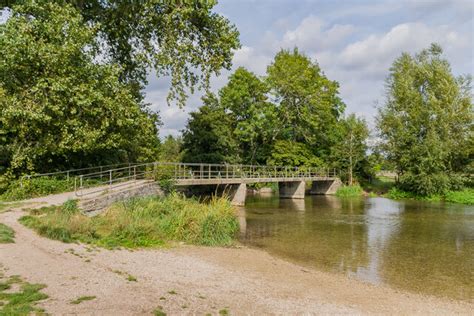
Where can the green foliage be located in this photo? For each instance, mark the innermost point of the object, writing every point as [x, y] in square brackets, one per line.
[171, 149]
[209, 136]
[252, 116]
[288, 153]
[349, 191]
[144, 222]
[465, 196]
[350, 152]
[6, 234]
[308, 102]
[426, 123]
[58, 105]
[40, 186]
[297, 126]
[20, 190]
[23, 301]
[183, 40]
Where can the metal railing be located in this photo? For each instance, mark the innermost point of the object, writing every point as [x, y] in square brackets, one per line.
[104, 180]
[71, 173]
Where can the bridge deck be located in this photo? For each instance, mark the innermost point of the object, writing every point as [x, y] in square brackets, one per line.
[212, 181]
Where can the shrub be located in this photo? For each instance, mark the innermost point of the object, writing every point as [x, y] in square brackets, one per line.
[465, 196]
[349, 191]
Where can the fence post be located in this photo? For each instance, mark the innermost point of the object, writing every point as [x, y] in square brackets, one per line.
[110, 176]
[209, 171]
[67, 175]
[135, 172]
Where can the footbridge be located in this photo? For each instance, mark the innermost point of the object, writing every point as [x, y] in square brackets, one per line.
[97, 187]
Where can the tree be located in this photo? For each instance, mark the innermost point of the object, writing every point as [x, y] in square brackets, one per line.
[171, 149]
[59, 107]
[208, 136]
[289, 153]
[426, 122]
[308, 102]
[253, 117]
[351, 150]
[183, 40]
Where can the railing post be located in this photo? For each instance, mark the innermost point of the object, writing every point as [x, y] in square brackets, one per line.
[135, 172]
[226, 171]
[67, 175]
[80, 183]
[202, 171]
[110, 176]
[209, 171]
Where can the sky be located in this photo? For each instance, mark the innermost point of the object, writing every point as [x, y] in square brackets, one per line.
[354, 42]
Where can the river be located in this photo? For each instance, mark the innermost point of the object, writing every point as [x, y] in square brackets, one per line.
[421, 247]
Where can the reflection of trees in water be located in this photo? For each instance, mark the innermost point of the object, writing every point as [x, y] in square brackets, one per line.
[432, 253]
[321, 235]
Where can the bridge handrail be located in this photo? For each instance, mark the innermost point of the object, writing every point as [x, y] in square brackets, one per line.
[69, 172]
[192, 171]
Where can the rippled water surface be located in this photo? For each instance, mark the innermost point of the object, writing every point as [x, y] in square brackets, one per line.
[417, 246]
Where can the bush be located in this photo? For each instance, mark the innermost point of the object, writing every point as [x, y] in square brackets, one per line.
[465, 196]
[141, 222]
[349, 191]
[20, 190]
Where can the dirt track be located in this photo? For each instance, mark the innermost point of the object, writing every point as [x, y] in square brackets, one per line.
[205, 280]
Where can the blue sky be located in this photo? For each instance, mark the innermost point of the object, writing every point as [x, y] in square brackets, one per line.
[354, 42]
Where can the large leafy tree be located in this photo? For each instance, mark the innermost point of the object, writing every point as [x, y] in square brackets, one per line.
[208, 136]
[253, 117]
[58, 105]
[426, 122]
[351, 150]
[183, 40]
[308, 102]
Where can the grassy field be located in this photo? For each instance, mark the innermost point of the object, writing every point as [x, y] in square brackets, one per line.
[141, 222]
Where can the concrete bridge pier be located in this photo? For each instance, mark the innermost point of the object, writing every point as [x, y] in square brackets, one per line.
[237, 193]
[292, 189]
[325, 186]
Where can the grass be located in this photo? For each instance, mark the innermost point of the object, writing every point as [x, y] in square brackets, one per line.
[223, 312]
[5, 207]
[23, 301]
[6, 234]
[140, 222]
[131, 278]
[159, 311]
[465, 196]
[81, 299]
[349, 191]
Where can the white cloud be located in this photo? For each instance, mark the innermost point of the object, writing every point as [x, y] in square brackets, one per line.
[313, 34]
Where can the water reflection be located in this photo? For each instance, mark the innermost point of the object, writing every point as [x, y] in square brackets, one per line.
[422, 247]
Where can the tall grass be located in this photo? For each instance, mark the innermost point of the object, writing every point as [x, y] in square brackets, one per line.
[349, 191]
[141, 222]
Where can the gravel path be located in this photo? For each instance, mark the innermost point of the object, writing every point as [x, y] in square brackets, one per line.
[195, 280]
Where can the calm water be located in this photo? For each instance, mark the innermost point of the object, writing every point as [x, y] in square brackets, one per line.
[416, 246]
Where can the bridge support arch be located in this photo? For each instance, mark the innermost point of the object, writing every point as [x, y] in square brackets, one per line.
[292, 189]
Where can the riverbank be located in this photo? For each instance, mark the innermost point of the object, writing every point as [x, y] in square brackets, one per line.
[194, 280]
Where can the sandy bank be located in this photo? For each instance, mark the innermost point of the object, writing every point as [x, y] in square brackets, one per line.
[205, 280]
